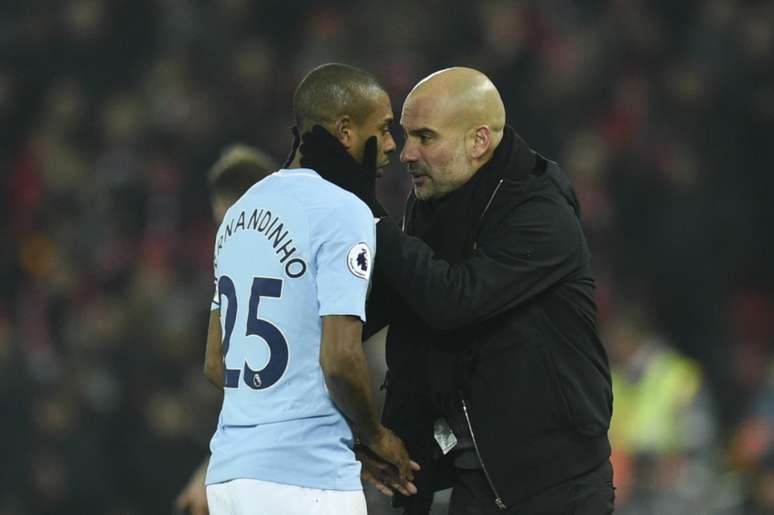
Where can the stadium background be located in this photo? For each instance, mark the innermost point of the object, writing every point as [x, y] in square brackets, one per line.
[662, 112]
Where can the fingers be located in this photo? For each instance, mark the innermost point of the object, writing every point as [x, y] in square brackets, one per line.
[401, 472]
[394, 452]
[181, 502]
[377, 483]
[388, 466]
[403, 462]
[381, 481]
[405, 472]
[408, 488]
[192, 507]
[381, 467]
[386, 491]
[384, 476]
[189, 502]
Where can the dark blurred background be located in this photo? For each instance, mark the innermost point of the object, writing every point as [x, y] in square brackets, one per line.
[662, 113]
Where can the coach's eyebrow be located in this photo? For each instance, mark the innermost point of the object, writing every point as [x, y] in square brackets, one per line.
[422, 131]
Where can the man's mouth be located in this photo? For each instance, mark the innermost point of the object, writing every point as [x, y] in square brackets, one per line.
[418, 179]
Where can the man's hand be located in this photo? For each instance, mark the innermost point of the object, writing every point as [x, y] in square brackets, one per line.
[386, 446]
[193, 499]
[323, 153]
[382, 475]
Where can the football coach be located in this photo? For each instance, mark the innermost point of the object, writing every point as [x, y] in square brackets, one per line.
[497, 379]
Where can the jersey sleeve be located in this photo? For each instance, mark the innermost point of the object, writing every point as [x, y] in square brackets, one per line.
[344, 260]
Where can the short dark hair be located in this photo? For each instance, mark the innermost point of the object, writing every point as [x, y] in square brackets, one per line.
[239, 167]
[333, 90]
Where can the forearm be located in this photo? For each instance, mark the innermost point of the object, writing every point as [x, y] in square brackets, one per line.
[520, 264]
[445, 295]
[214, 368]
[193, 498]
[346, 374]
[201, 470]
[350, 389]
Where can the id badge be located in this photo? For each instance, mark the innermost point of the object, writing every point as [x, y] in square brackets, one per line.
[444, 435]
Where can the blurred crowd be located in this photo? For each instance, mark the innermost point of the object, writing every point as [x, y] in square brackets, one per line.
[111, 111]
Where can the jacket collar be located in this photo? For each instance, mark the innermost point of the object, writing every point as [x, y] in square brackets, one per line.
[512, 159]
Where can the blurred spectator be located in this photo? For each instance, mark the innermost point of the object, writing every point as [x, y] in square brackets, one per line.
[761, 497]
[663, 427]
[752, 448]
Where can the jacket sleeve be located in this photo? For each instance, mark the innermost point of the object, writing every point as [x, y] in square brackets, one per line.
[537, 245]
[379, 306]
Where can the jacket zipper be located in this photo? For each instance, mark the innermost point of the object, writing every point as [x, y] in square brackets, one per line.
[498, 500]
[483, 214]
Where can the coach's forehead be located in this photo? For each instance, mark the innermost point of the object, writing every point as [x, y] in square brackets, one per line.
[426, 108]
[437, 99]
[460, 96]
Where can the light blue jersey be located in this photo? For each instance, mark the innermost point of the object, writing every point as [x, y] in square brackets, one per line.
[292, 249]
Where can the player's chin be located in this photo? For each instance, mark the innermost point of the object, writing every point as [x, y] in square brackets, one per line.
[380, 170]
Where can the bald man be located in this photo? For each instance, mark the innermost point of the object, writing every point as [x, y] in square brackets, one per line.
[498, 382]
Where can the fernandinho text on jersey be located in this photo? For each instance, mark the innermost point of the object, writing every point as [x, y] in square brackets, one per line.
[270, 225]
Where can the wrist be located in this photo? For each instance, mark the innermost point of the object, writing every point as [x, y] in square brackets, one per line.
[370, 435]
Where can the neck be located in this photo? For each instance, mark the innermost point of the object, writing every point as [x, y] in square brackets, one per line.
[296, 162]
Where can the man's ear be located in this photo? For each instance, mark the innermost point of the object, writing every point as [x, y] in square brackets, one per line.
[482, 141]
[344, 131]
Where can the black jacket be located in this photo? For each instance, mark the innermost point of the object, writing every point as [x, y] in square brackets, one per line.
[492, 306]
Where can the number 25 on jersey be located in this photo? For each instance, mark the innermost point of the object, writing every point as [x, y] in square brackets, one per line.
[278, 346]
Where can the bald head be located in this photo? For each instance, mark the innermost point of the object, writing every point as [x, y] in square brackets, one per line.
[464, 95]
[331, 91]
[454, 120]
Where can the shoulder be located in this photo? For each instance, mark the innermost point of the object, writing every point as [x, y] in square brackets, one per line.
[345, 213]
[332, 202]
[317, 194]
[537, 217]
[330, 211]
[546, 193]
[350, 205]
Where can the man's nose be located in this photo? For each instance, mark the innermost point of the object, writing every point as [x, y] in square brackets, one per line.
[409, 152]
[389, 145]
